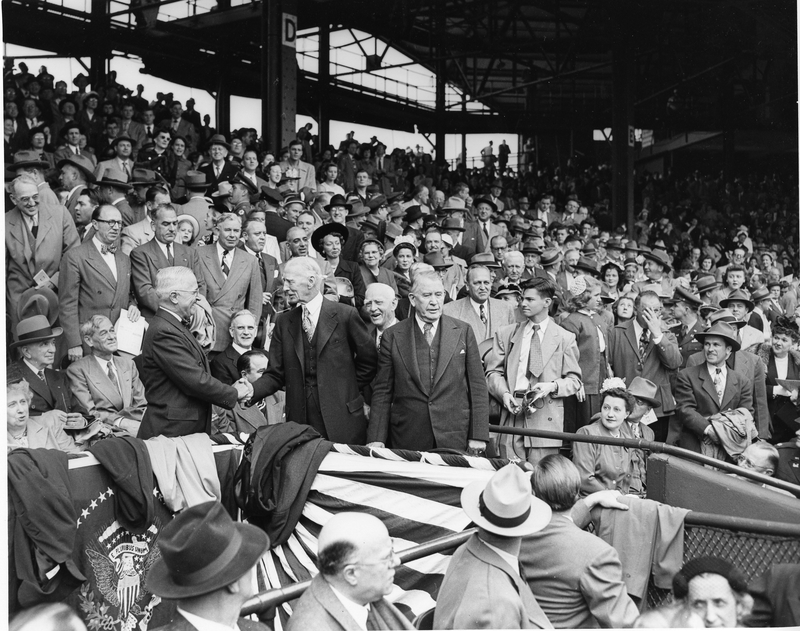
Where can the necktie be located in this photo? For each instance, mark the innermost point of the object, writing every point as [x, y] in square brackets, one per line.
[170, 258]
[35, 230]
[718, 384]
[378, 339]
[427, 331]
[535, 363]
[106, 249]
[637, 431]
[486, 230]
[308, 326]
[683, 331]
[149, 130]
[225, 269]
[217, 171]
[126, 169]
[112, 376]
[483, 314]
[41, 376]
[643, 339]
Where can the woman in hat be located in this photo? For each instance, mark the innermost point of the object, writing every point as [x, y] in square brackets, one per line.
[182, 166]
[371, 254]
[606, 466]
[405, 254]
[329, 240]
[591, 333]
[24, 431]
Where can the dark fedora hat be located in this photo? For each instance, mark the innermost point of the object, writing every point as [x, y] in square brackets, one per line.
[122, 137]
[145, 177]
[721, 329]
[550, 257]
[588, 266]
[725, 315]
[615, 243]
[706, 283]
[323, 231]
[203, 550]
[413, 213]
[271, 195]
[372, 223]
[114, 177]
[80, 162]
[759, 294]
[195, 181]
[484, 258]
[337, 200]
[35, 329]
[436, 260]
[29, 158]
[451, 223]
[737, 296]
[357, 209]
[645, 390]
[218, 139]
[484, 200]
[376, 202]
[658, 256]
[38, 301]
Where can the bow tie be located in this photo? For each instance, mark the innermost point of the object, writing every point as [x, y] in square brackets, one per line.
[105, 249]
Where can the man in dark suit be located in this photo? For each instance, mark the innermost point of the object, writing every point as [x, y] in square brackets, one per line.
[53, 398]
[277, 226]
[709, 388]
[639, 348]
[96, 279]
[76, 175]
[776, 596]
[348, 540]
[231, 277]
[254, 234]
[219, 169]
[322, 355]
[243, 332]
[430, 391]
[178, 384]
[338, 210]
[158, 253]
[481, 231]
[178, 126]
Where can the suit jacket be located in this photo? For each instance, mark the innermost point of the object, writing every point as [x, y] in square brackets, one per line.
[56, 394]
[128, 215]
[480, 591]
[781, 410]
[306, 173]
[276, 225]
[135, 235]
[352, 247]
[560, 362]
[25, 258]
[696, 400]
[320, 609]
[576, 577]
[601, 466]
[268, 267]
[660, 361]
[346, 363]
[498, 313]
[593, 362]
[146, 260]
[44, 435]
[753, 369]
[177, 383]
[179, 623]
[240, 290]
[228, 171]
[185, 129]
[776, 596]
[65, 152]
[111, 163]
[688, 344]
[89, 289]
[473, 233]
[223, 366]
[94, 390]
[352, 272]
[455, 408]
[136, 132]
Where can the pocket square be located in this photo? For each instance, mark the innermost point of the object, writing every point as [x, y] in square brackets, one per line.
[462, 352]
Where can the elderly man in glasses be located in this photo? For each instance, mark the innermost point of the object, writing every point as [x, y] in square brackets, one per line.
[95, 279]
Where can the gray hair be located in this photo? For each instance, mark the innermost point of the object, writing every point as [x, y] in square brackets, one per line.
[422, 276]
[224, 217]
[239, 314]
[20, 386]
[418, 268]
[171, 279]
[514, 255]
[21, 179]
[91, 325]
[306, 266]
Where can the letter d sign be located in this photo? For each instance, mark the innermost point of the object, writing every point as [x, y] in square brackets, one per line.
[289, 30]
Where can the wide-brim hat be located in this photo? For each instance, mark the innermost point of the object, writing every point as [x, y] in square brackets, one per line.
[436, 260]
[484, 200]
[194, 223]
[218, 139]
[80, 162]
[759, 294]
[377, 201]
[645, 390]
[35, 329]
[659, 256]
[337, 200]
[195, 181]
[615, 244]
[684, 295]
[452, 204]
[120, 138]
[323, 231]
[587, 265]
[271, 195]
[29, 158]
[705, 310]
[116, 178]
[505, 505]
[497, 183]
[371, 223]
[726, 315]
[357, 210]
[721, 329]
[252, 189]
[393, 231]
[452, 224]
[145, 177]
[530, 248]
[203, 550]
[413, 213]
[589, 249]
[404, 243]
[223, 190]
[737, 296]
[38, 301]
[550, 257]
[706, 283]
[484, 258]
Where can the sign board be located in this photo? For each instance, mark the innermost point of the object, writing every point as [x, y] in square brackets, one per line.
[289, 30]
[631, 136]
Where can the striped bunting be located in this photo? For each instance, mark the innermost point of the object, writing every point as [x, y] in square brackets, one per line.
[416, 495]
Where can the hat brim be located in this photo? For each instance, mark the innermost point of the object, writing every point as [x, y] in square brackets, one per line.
[115, 183]
[90, 176]
[323, 231]
[653, 403]
[538, 518]
[56, 332]
[255, 543]
[30, 163]
[726, 301]
[735, 344]
[651, 257]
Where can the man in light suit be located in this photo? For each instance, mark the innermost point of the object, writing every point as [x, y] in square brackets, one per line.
[129, 127]
[481, 231]
[97, 280]
[575, 576]
[322, 355]
[430, 391]
[231, 277]
[536, 357]
[484, 314]
[709, 388]
[37, 237]
[343, 596]
[640, 348]
[107, 386]
[142, 231]
[255, 238]
[294, 167]
[482, 588]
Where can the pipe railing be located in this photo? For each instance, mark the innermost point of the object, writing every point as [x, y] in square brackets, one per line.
[651, 445]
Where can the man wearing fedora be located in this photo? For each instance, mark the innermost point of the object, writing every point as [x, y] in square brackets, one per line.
[197, 204]
[709, 388]
[709, 290]
[122, 146]
[142, 231]
[656, 268]
[483, 587]
[740, 304]
[482, 229]
[684, 305]
[219, 169]
[76, 174]
[112, 188]
[30, 163]
[207, 565]
[356, 562]
[277, 226]
[53, 398]
[338, 209]
[71, 132]
[37, 236]
[644, 393]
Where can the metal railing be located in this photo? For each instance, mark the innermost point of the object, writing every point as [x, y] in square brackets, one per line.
[654, 446]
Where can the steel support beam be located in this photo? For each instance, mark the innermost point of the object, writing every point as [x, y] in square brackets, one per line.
[441, 81]
[223, 101]
[278, 72]
[324, 74]
[622, 78]
[101, 50]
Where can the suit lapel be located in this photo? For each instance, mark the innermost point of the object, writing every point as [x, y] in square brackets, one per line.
[296, 331]
[326, 324]
[328, 600]
[123, 377]
[94, 260]
[238, 267]
[731, 389]
[550, 342]
[45, 226]
[447, 346]
[708, 384]
[211, 261]
[513, 355]
[37, 385]
[630, 335]
[408, 350]
[158, 256]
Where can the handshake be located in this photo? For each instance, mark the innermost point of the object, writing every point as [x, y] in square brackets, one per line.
[244, 391]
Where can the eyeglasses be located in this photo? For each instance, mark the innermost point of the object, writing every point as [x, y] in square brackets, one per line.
[112, 223]
[196, 292]
[745, 463]
[28, 201]
[388, 560]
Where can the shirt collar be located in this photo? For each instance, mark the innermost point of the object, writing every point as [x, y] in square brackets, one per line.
[99, 245]
[201, 624]
[34, 370]
[314, 306]
[240, 349]
[712, 369]
[510, 559]
[421, 324]
[359, 612]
